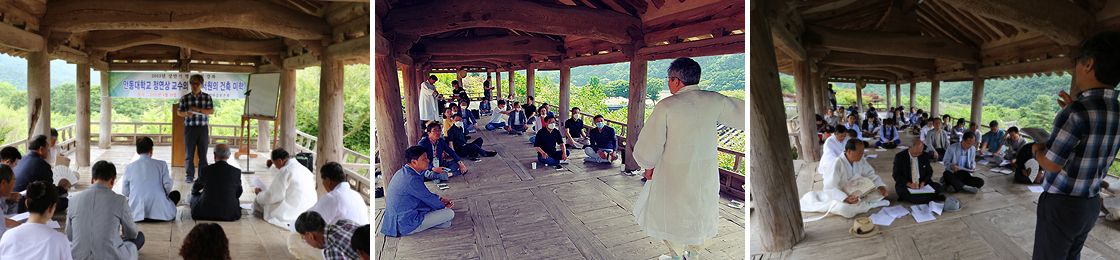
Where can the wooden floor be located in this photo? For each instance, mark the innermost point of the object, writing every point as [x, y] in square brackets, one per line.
[504, 209]
[997, 223]
[250, 238]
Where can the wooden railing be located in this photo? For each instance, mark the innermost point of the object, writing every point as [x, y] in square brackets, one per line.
[356, 165]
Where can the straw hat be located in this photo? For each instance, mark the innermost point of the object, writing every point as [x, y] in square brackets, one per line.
[863, 227]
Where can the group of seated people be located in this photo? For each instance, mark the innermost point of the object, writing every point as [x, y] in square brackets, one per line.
[100, 223]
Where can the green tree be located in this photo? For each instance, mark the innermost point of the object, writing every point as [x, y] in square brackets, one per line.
[618, 88]
[654, 87]
[1040, 114]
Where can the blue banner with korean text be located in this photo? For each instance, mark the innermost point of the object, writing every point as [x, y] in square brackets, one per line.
[174, 84]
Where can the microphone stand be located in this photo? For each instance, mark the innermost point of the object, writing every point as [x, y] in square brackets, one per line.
[246, 114]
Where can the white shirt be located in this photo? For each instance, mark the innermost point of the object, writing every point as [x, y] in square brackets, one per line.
[429, 107]
[34, 241]
[683, 155]
[832, 148]
[496, 117]
[341, 203]
[292, 192]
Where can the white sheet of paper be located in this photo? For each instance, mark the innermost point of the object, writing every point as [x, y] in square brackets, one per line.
[196, 113]
[1098, 215]
[936, 207]
[1035, 189]
[53, 224]
[24, 193]
[869, 156]
[880, 150]
[259, 184]
[903, 147]
[866, 139]
[896, 211]
[882, 218]
[923, 190]
[985, 162]
[20, 217]
[1004, 163]
[248, 206]
[923, 217]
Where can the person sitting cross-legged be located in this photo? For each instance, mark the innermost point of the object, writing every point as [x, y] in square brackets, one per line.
[912, 171]
[1013, 142]
[833, 147]
[440, 170]
[33, 167]
[101, 224]
[409, 206]
[545, 142]
[8, 199]
[960, 162]
[214, 195]
[517, 120]
[340, 202]
[1026, 168]
[360, 241]
[458, 140]
[496, 119]
[147, 184]
[468, 117]
[34, 239]
[333, 238]
[888, 135]
[206, 241]
[292, 190]
[834, 198]
[602, 148]
[992, 141]
[575, 135]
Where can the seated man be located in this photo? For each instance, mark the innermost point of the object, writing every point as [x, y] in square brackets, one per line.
[468, 117]
[458, 140]
[992, 141]
[484, 107]
[546, 140]
[960, 162]
[34, 168]
[409, 206]
[292, 191]
[8, 199]
[575, 134]
[853, 124]
[834, 198]
[936, 141]
[602, 148]
[517, 120]
[104, 228]
[147, 184]
[912, 171]
[972, 128]
[440, 170]
[360, 241]
[833, 147]
[1026, 167]
[831, 118]
[888, 135]
[10, 156]
[496, 119]
[62, 173]
[871, 126]
[340, 202]
[332, 238]
[34, 239]
[1013, 142]
[214, 195]
[958, 130]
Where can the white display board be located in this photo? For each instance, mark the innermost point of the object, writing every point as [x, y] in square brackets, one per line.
[264, 93]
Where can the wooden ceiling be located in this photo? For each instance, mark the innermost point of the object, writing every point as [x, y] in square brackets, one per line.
[992, 39]
[240, 35]
[543, 34]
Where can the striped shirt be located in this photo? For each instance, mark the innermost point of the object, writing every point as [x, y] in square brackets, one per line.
[202, 100]
[1084, 140]
[336, 244]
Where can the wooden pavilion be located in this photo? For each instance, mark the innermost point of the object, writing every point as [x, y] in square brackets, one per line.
[195, 36]
[891, 42]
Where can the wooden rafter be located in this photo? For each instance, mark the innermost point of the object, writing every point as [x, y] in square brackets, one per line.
[199, 40]
[956, 16]
[894, 44]
[493, 45]
[950, 25]
[861, 60]
[443, 16]
[80, 15]
[1061, 20]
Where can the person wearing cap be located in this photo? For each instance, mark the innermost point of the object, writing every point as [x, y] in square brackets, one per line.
[832, 199]
[960, 162]
[912, 171]
[992, 141]
[1083, 144]
[833, 148]
[1013, 142]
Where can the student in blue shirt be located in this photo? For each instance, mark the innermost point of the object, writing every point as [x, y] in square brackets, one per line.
[602, 148]
[992, 140]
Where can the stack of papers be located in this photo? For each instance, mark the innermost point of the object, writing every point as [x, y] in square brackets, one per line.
[897, 211]
[984, 162]
[53, 224]
[259, 184]
[936, 207]
[869, 156]
[1001, 170]
[880, 150]
[248, 206]
[1004, 163]
[20, 217]
[887, 215]
[922, 213]
[1035, 189]
[903, 147]
[924, 190]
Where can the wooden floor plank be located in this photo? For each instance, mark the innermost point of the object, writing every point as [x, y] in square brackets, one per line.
[513, 163]
[1001, 244]
[486, 232]
[585, 241]
[900, 245]
[612, 194]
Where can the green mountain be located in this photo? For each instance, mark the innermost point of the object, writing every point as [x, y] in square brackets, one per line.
[13, 70]
[720, 72]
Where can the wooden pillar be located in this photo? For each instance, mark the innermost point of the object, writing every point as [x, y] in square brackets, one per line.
[389, 118]
[636, 108]
[826, 103]
[934, 97]
[411, 89]
[530, 76]
[331, 112]
[859, 93]
[511, 92]
[913, 94]
[803, 87]
[818, 91]
[977, 99]
[39, 87]
[898, 94]
[565, 93]
[287, 138]
[104, 138]
[82, 125]
[773, 184]
[497, 85]
[888, 87]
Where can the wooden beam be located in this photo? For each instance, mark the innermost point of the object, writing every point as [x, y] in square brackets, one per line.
[262, 16]
[301, 61]
[1047, 65]
[787, 41]
[613, 57]
[861, 60]
[1061, 20]
[899, 73]
[708, 47]
[349, 49]
[867, 73]
[70, 55]
[492, 45]
[474, 64]
[725, 24]
[198, 40]
[529, 16]
[454, 58]
[895, 44]
[20, 39]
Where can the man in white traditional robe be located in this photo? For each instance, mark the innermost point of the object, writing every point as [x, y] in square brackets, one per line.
[429, 106]
[681, 205]
[833, 147]
[846, 168]
[292, 191]
[340, 202]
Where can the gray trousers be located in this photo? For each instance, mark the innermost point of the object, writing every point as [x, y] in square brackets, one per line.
[439, 219]
[197, 139]
[1063, 224]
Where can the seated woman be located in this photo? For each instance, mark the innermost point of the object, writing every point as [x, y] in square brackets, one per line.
[34, 239]
[888, 135]
[409, 206]
[823, 129]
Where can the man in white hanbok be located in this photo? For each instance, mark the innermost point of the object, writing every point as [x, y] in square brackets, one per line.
[429, 106]
[340, 202]
[833, 147]
[844, 170]
[292, 191]
[680, 202]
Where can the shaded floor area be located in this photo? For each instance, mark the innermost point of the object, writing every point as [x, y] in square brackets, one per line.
[504, 209]
[996, 223]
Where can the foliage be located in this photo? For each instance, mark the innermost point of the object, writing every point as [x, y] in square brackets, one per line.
[1040, 114]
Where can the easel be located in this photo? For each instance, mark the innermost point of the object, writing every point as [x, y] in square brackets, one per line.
[243, 143]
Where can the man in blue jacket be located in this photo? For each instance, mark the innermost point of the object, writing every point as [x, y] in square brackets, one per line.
[33, 168]
[440, 170]
[602, 148]
[409, 206]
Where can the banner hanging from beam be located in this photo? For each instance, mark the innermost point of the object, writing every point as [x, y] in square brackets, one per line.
[175, 85]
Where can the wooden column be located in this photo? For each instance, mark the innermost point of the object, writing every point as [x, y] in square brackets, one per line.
[934, 97]
[104, 138]
[898, 94]
[39, 87]
[390, 119]
[825, 102]
[511, 92]
[331, 112]
[82, 126]
[497, 85]
[530, 76]
[565, 93]
[773, 184]
[977, 99]
[636, 108]
[287, 135]
[411, 91]
[888, 87]
[913, 94]
[803, 87]
[859, 93]
[818, 93]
